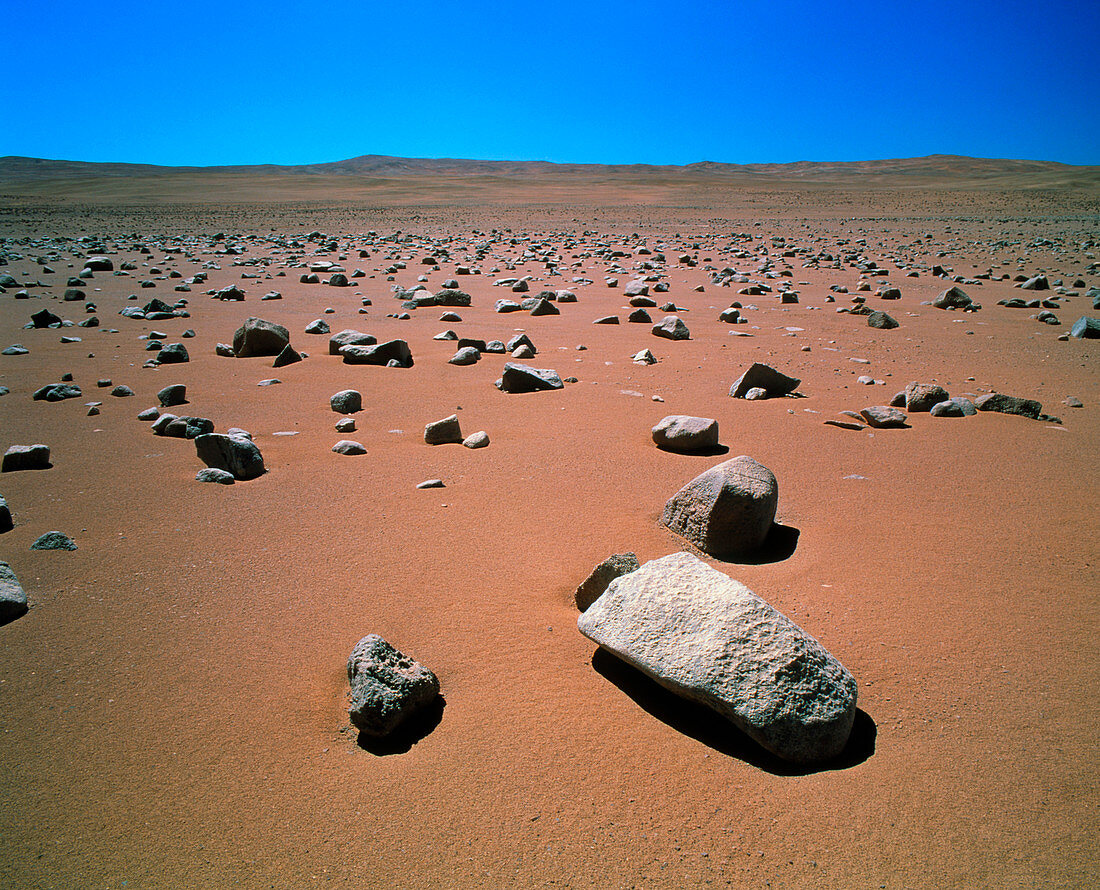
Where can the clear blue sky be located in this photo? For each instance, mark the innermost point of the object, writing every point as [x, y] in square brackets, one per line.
[244, 81]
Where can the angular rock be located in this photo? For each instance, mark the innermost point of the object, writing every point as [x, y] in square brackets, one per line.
[54, 541]
[466, 355]
[726, 511]
[765, 377]
[396, 352]
[235, 454]
[684, 433]
[346, 401]
[349, 338]
[523, 378]
[13, 599]
[347, 446]
[711, 640]
[173, 395]
[288, 356]
[387, 687]
[920, 397]
[43, 318]
[443, 432]
[954, 407]
[672, 327]
[26, 457]
[1037, 282]
[952, 298]
[258, 337]
[1085, 328]
[318, 326]
[882, 321]
[173, 354]
[57, 392]
[639, 316]
[592, 587]
[212, 474]
[884, 417]
[1003, 404]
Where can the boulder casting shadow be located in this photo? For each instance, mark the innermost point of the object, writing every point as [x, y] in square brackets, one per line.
[711, 729]
[780, 544]
[413, 730]
[712, 451]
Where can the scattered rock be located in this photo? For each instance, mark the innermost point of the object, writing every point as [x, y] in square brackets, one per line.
[882, 321]
[1003, 404]
[686, 434]
[387, 687]
[712, 640]
[318, 326]
[765, 377]
[173, 354]
[173, 395]
[467, 355]
[602, 575]
[54, 541]
[480, 439]
[346, 401]
[430, 483]
[1085, 328]
[726, 511]
[236, 454]
[288, 356]
[26, 457]
[13, 599]
[392, 352]
[523, 378]
[920, 397]
[954, 407]
[443, 432]
[884, 417]
[349, 338]
[671, 327]
[6, 523]
[57, 392]
[213, 474]
[43, 318]
[347, 446]
[257, 337]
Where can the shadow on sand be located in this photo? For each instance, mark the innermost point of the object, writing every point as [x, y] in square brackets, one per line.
[401, 740]
[779, 545]
[704, 725]
[713, 451]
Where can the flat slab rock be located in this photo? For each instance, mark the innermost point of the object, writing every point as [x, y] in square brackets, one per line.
[387, 687]
[710, 639]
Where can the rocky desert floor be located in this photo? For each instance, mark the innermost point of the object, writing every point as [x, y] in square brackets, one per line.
[174, 702]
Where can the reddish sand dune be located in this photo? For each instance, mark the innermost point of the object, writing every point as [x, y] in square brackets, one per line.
[174, 702]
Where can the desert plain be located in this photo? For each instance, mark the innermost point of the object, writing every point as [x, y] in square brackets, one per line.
[174, 702]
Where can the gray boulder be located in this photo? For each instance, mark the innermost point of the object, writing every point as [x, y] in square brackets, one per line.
[467, 355]
[173, 395]
[882, 321]
[1003, 404]
[57, 392]
[711, 640]
[235, 454]
[26, 457]
[920, 397]
[13, 599]
[726, 511]
[258, 337]
[596, 583]
[288, 356]
[1085, 328]
[672, 327]
[684, 433]
[173, 354]
[952, 298]
[1037, 282]
[523, 378]
[396, 352]
[480, 439]
[954, 407]
[54, 541]
[443, 432]
[349, 338]
[318, 326]
[387, 687]
[212, 474]
[884, 417]
[765, 377]
[346, 401]
[347, 446]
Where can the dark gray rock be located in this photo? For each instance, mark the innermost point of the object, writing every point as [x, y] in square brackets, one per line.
[544, 307]
[122, 391]
[26, 457]
[349, 338]
[884, 417]
[920, 397]
[1085, 328]
[523, 378]
[395, 353]
[173, 354]
[672, 327]
[212, 474]
[686, 434]
[6, 523]
[257, 337]
[13, 599]
[954, 407]
[726, 511]
[639, 316]
[882, 321]
[1003, 404]
[596, 583]
[43, 318]
[173, 395]
[1037, 282]
[466, 355]
[237, 455]
[443, 432]
[387, 687]
[319, 326]
[711, 640]
[288, 356]
[346, 401]
[57, 392]
[54, 541]
[765, 377]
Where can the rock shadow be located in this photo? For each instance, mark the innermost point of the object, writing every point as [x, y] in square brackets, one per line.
[401, 740]
[712, 451]
[699, 722]
[779, 545]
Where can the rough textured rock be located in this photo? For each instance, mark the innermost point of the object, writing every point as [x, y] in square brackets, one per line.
[387, 687]
[467, 355]
[884, 417]
[1085, 328]
[348, 446]
[287, 356]
[54, 541]
[765, 377]
[672, 327]
[523, 378]
[954, 407]
[259, 337]
[952, 298]
[173, 395]
[57, 392]
[596, 583]
[882, 321]
[684, 433]
[212, 474]
[349, 338]
[712, 640]
[1003, 404]
[726, 511]
[346, 401]
[26, 457]
[173, 354]
[317, 326]
[480, 439]
[392, 351]
[443, 432]
[920, 397]
[235, 454]
[13, 599]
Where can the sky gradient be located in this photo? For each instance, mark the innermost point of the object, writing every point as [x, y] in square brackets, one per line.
[249, 82]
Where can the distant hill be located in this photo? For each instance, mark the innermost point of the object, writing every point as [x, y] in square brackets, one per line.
[948, 168]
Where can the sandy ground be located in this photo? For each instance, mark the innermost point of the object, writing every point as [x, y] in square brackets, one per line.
[173, 705]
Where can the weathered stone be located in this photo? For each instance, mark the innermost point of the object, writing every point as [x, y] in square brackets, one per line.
[480, 439]
[920, 397]
[349, 338]
[443, 432]
[54, 541]
[884, 417]
[710, 639]
[765, 377]
[1037, 282]
[466, 355]
[672, 327]
[173, 395]
[13, 599]
[288, 356]
[387, 687]
[596, 583]
[213, 474]
[726, 511]
[523, 378]
[26, 457]
[396, 352]
[43, 318]
[236, 454]
[544, 307]
[1085, 328]
[684, 433]
[639, 316]
[347, 446]
[1003, 404]
[954, 407]
[57, 392]
[318, 326]
[346, 401]
[882, 321]
[952, 298]
[259, 337]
